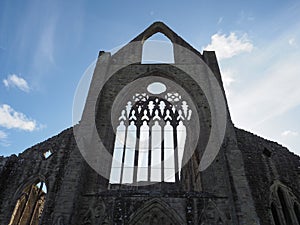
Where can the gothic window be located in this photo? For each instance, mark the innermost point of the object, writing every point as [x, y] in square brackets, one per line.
[150, 138]
[284, 205]
[30, 205]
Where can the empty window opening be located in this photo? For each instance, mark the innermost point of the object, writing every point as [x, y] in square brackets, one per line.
[275, 214]
[150, 139]
[284, 206]
[267, 152]
[47, 154]
[29, 207]
[157, 49]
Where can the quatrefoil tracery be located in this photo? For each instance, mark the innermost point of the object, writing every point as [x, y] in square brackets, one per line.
[154, 108]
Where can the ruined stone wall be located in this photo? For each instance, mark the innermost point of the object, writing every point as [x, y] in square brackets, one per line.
[60, 172]
[266, 162]
[74, 195]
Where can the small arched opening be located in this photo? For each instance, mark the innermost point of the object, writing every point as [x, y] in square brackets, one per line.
[158, 49]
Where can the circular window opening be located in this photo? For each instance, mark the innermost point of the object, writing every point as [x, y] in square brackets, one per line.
[156, 88]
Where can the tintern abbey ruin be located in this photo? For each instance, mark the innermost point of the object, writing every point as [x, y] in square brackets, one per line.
[155, 146]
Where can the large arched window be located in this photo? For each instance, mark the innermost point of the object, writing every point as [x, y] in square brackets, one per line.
[284, 205]
[150, 137]
[30, 205]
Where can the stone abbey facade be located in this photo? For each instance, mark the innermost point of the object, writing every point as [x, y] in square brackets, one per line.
[155, 146]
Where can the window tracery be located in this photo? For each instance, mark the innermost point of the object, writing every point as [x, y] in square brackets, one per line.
[150, 139]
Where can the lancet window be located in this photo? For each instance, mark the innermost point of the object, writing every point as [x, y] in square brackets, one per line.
[284, 205]
[150, 139]
[29, 207]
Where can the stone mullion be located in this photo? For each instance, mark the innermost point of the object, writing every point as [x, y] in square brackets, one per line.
[175, 153]
[25, 205]
[162, 153]
[124, 152]
[20, 204]
[149, 151]
[35, 203]
[136, 155]
[280, 211]
[290, 208]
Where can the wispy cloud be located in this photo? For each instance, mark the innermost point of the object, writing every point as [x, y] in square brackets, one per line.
[220, 20]
[227, 46]
[9, 118]
[275, 92]
[44, 53]
[245, 17]
[3, 139]
[266, 94]
[13, 80]
[289, 133]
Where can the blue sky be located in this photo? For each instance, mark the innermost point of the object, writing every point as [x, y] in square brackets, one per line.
[46, 46]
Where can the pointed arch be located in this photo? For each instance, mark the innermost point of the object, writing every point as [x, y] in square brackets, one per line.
[158, 49]
[282, 204]
[30, 203]
[157, 27]
[160, 27]
[211, 214]
[156, 212]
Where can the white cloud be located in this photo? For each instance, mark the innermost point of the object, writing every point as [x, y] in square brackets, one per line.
[229, 46]
[9, 118]
[265, 95]
[13, 80]
[289, 133]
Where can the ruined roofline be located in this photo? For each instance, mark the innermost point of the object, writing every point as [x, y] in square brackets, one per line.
[160, 27]
[267, 142]
[43, 145]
